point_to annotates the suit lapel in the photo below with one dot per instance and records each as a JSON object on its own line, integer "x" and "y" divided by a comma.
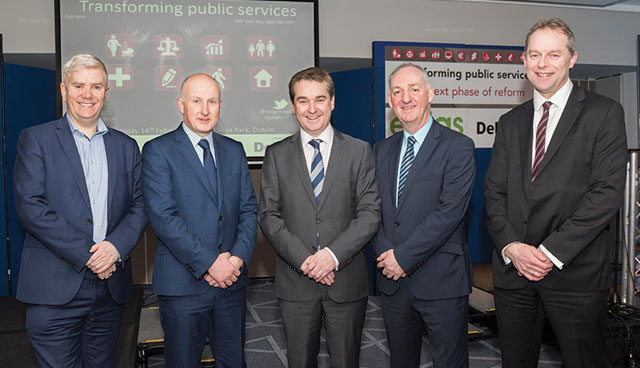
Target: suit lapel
{"x": 567, "y": 119}
{"x": 393, "y": 162}
{"x": 112, "y": 165}
{"x": 301, "y": 167}
{"x": 65, "y": 137}
{"x": 337, "y": 154}
{"x": 525, "y": 126}
{"x": 426, "y": 150}
{"x": 193, "y": 161}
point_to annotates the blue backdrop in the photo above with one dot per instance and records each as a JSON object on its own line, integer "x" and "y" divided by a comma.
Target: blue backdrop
{"x": 29, "y": 100}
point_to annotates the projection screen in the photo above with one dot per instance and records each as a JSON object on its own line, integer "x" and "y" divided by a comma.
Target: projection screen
{"x": 251, "y": 47}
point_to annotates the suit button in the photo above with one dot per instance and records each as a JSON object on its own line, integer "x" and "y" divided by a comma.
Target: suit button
{"x": 90, "y": 221}
{"x": 396, "y": 223}
{"x": 219, "y": 246}
{"x": 220, "y": 218}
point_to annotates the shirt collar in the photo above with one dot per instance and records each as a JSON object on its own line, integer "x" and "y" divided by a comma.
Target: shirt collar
{"x": 421, "y": 134}
{"x": 195, "y": 138}
{"x": 326, "y": 135}
{"x": 559, "y": 98}
{"x": 102, "y": 127}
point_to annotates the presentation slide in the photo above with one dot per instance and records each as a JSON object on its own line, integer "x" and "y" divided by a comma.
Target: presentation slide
{"x": 252, "y": 48}
{"x": 473, "y": 86}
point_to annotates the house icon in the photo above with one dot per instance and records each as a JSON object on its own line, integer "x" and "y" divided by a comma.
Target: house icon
{"x": 263, "y": 79}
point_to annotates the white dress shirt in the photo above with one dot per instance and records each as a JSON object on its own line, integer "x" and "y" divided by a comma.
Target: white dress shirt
{"x": 325, "y": 150}
{"x": 558, "y": 103}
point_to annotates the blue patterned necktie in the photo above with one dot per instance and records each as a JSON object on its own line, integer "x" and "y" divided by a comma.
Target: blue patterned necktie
{"x": 317, "y": 169}
{"x": 209, "y": 166}
{"x": 407, "y": 160}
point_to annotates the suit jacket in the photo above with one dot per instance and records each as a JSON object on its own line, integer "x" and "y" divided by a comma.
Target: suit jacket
{"x": 53, "y": 206}
{"x": 427, "y": 230}
{"x": 576, "y": 194}
{"x": 192, "y": 226}
{"x": 346, "y": 217}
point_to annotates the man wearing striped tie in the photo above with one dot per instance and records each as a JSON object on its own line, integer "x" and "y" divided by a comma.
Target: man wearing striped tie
{"x": 319, "y": 206}
{"x": 425, "y": 177}
{"x": 553, "y": 187}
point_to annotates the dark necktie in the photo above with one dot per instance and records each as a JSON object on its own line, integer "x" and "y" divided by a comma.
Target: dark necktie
{"x": 317, "y": 169}
{"x": 209, "y": 166}
{"x": 407, "y": 160}
{"x": 541, "y": 134}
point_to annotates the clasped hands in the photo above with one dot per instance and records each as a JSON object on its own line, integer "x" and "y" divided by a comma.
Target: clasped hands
{"x": 389, "y": 265}
{"x": 103, "y": 259}
{"x": 530, "y": 261}
{"x": 320, "y": 267}
{"x": 224, "y": 271}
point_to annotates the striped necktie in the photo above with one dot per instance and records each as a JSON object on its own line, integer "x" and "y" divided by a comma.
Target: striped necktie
{"x": 407, "y": 160}
{"x": 317, "y": 169}
{"x": 541, "y": 133}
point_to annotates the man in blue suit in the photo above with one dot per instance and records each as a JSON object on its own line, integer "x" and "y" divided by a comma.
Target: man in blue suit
{"x": 79, "y": 198}
{"x": 425, "y": 177}
{"x": 201, "y": 204}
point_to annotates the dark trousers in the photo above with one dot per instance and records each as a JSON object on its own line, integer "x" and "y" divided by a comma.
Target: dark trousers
{"x": 188, "y": 320}
{"x": 343, "y": 323}
{"x": 446, "y": 321}
{"x": 82, "y": 333}
{"x": 577, "y": 319}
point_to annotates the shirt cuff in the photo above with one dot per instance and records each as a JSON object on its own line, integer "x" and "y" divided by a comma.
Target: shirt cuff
{"x": 334, "y": 257}
{"x": 556, "y": 262}
{"x": 506, "y": 259}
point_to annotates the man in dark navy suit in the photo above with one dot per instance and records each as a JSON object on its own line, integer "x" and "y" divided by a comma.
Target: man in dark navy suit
{"x": 200, "y": 200}
{"x": 425, "y": 177}
{"x": 79, "y": 198}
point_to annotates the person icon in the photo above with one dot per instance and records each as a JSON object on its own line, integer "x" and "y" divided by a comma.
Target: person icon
{"x": 113, "y": 45}
{"x": 252, "y": 49}
{"x": 270, "y": 48}
{"x": 219, "y": 77}
{"x": 260, "y": 46}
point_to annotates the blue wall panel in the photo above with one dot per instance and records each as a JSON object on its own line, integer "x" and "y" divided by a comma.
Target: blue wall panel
{"x": 4, "y": 277}
{"x": 353, "y": 112}
{"x": 30, "y": 99}
{"x": 479, "y": 240}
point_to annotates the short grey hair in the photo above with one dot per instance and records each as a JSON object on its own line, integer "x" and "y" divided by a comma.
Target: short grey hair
{"x": 409, "y": 65}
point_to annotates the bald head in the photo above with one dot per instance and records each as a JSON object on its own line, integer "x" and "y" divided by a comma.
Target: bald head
{"x": 198, "y": 76}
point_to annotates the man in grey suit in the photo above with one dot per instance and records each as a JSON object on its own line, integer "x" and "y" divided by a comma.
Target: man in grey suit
{"x": 319, "y": 205}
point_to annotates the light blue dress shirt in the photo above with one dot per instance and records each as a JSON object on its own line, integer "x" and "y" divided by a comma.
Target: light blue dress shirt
{"x": 420, "y": 135}
{"x": 96, "y": 174}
